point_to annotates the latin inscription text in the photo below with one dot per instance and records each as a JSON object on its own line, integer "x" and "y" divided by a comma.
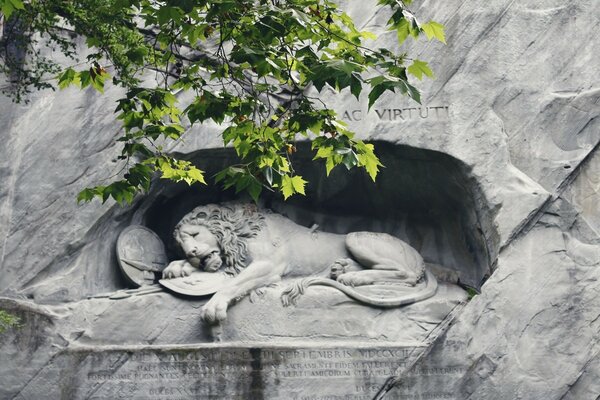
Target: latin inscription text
{"x": 399, "y": 114}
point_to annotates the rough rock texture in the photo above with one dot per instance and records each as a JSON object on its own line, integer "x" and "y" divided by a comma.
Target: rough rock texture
{"x": 58, "y": 342}
{"x": 533, "y": 330}
{"x": 583, "y": 191}
{"x": 162, "y": 318}
{"x": 41, "y": 225}
{"x": 516, "y": 103}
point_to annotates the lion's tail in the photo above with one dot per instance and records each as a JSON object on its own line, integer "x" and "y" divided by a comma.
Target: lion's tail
{"x": 291, "y": 294}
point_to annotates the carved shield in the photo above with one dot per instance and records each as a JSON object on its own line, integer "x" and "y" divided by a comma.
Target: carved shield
{"x": 141, "y": 255}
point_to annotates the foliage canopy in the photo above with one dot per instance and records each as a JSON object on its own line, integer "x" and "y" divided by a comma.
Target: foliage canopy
{"x": 249, "y": 65}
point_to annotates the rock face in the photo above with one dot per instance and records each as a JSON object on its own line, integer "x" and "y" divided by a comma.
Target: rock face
{"x": 493, "y": 179}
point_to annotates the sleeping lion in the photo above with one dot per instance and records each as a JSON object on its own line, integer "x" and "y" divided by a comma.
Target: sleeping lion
{"x": 260, "y": 248}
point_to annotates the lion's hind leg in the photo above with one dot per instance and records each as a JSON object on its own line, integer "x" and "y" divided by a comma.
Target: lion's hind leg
{"x": 372, "y": 276}
{"x": 388, "y": 258}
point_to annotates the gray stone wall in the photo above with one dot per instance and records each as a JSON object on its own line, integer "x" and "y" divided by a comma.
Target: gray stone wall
{"x": 515, "y": 101}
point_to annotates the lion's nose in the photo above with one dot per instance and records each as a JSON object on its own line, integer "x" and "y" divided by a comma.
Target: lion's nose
{"x": 197, "y": 251}
{"x": 190, "y": 251}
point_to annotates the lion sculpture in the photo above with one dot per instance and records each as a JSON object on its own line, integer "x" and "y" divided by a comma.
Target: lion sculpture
{"x": 260, "y": 248}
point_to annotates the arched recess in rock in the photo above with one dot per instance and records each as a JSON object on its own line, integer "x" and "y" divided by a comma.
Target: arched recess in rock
{"x": 427, "y": 198}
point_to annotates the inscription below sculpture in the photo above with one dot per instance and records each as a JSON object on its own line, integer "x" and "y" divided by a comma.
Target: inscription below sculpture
{"x": 234, "y": 250}
{"x": 246, "y": 373}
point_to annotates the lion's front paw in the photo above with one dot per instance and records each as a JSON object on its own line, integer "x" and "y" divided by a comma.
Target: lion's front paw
{"x": 339, "y": 267}
{"x": 178, "y": 269}
{"x": 215, "y": 310}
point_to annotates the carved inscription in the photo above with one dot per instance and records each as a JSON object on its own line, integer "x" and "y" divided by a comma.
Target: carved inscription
{"x": 401, "y": 114}
{"x": 244, "y": 373}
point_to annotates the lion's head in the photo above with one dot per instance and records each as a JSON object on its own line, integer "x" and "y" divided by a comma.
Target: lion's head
{"x": 231, "y": 225}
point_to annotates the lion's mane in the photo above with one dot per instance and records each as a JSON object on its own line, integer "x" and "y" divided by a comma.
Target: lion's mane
{"x": 232, "y": 225}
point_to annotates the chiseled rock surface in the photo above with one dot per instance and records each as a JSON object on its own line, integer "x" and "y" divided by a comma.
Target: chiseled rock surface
{"x": 324, "y": 313}
{"x": 27, "y": 350}
{"x": 528, "y": 65}
{"x": 516, "y": 99}
{"x": 533, "y": 332}
{"x": 584, "y": 191}
{"x": 327, "y": 314}
{"x": 46, "y": 349}
{"x": 52, "y": 148}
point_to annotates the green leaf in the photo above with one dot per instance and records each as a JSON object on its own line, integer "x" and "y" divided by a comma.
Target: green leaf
{"x": 368, "y": 160}
{"x": 419, "y": 68}
{"x": 167, "y": 14}
{"x": 221, "y": 175}
{"x": 298, "y": 184}
{"x": 287, "y": 187}
{"x": 291, "y": 185}
{"x": 324, "y": 152}
{"x": 86, "y": 195}
{"x": 413, "y": 93}
{"x": 433, "y": 29}
{"x": 269, "y": 175}
{"x": 368, "y": 35}
{"x": 137, "y": 55}
{"x": 375, "y": 93}
{"x": 284, "y": 166}
{"x": 179, "y": 170}
{"x": 403, "y": 30}
{"x": 243, "y": 181}
{"x": 68, "y": 77}
{"x": 316, "y": 127}
{"x": 329, "y": 165}
{"x": 18, "y": 4}
{"x": 85, "y": 79}
{"x": 254, "y": 190}
{"x": 196, "y": 175}
{"x": 355, "y": 86}
{"x": 98, "y": 82}
{"x": 7, "y": 7}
